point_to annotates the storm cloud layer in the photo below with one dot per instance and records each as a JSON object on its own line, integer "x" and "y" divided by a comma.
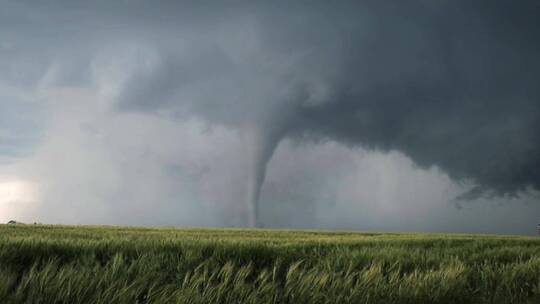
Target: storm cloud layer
{"x": 451, "y": 85}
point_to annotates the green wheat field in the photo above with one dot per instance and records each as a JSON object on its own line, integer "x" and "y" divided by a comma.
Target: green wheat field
{"x": 96, "y": 264}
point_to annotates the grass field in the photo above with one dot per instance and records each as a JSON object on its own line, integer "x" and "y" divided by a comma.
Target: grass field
{"x": 63, "y": 264}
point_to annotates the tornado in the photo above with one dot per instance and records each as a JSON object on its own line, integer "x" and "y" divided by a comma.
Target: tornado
{"x": 263, "y": 141}
{"x": 263, "y": 137}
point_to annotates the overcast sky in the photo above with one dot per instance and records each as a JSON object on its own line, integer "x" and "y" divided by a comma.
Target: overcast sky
{"x": 363, "y": 115}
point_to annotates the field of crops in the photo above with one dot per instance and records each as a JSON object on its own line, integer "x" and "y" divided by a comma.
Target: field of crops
{"x": 63, "y": 264}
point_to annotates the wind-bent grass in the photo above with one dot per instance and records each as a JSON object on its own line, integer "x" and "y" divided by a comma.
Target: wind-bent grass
{"x": 62, "y": 264}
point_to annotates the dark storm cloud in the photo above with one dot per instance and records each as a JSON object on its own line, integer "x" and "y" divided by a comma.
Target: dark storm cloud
{"x": 451, "y": 84}
{"x": 454, "y": 87}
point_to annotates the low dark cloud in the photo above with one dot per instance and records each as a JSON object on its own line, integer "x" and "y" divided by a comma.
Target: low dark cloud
{"x": 452, "y": 85}
{"x": 453, "y": 88}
